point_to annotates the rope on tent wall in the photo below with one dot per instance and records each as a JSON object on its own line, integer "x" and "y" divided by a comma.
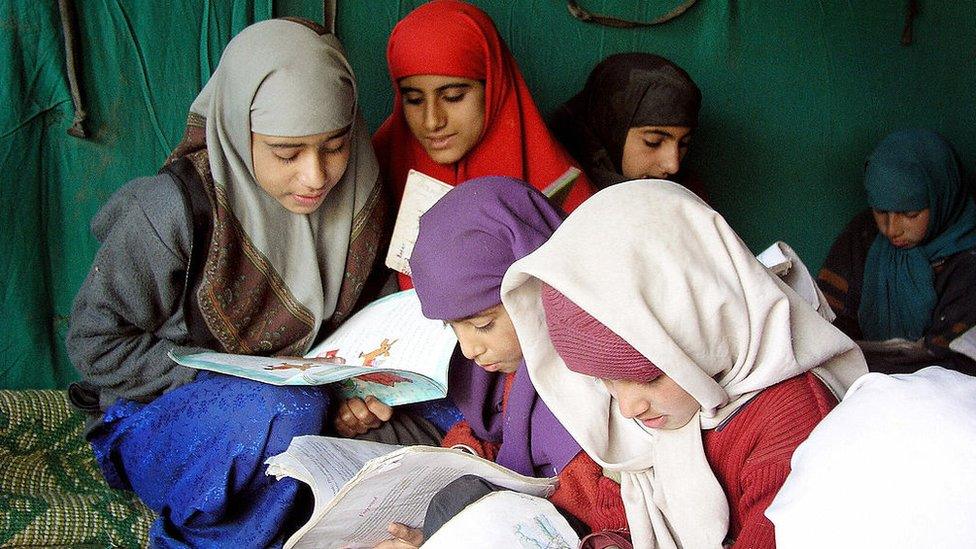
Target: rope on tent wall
{"x": 911, "y": 11}
{"x": 329, "y": 15}
{"x": 582, "y": 14}
{"x": 66, "y": 8}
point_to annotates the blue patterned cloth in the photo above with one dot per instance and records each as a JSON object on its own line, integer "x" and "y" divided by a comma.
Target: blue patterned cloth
{"x": 441, "y": 412}
{"x": 196, "y": 456}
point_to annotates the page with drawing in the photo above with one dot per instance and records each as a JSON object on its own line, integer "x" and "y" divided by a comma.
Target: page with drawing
{"x": 388, "y": 350}
{"x": 506, "y": 519}
{"x": 396, "y": 486}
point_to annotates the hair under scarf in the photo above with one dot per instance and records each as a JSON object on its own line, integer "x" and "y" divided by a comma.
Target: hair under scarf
{"x": 452, "y": 38}
{"x": 467, "y": 241}
{"x": 658, "y": 267}
{"x": 282, "y": 78}
{"x": 909, "y": 171}
{"x": 626, "y": 90}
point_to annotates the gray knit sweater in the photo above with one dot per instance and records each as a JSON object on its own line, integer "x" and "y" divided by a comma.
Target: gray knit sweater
{"x": 129, "y": 312}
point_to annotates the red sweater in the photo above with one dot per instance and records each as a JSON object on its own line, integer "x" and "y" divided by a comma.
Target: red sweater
{"x": 583, "y": 490}
{"x": 750, "y": 455}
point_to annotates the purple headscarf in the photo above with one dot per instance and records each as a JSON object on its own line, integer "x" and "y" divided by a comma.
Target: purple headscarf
{"x": 467, "y": 241}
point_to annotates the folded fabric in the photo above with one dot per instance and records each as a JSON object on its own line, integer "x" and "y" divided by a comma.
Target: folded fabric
{"x": 891, "y": 466}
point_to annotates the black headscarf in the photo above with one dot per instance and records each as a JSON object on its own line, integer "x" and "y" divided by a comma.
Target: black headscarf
{"x": 624, "y": 91}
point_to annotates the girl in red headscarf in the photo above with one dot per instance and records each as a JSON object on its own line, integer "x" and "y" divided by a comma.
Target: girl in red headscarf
{"x": 462, "y": 109}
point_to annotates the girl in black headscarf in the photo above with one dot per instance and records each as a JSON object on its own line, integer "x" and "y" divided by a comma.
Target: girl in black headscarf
{"x": 632, "y": 120}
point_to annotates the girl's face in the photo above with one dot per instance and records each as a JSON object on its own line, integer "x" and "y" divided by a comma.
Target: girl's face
{"x": 489, "y": 339}
{"x": 445, "y": 113}
{"x": 299, "y": 172}
{"x": 658, "y": 404}
{"x": 904, "y": 229}
{"x": 654, "y": 152}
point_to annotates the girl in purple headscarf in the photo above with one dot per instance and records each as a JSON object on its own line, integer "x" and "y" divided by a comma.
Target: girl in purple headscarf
{"x": 466, "y": 243}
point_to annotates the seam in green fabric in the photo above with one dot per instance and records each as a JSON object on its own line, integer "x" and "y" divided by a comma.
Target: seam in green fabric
{"x": 144, "y": 83}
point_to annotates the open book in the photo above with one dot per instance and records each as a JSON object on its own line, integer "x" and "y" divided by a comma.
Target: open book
{"x": 782, "y": 261}
{"x": 423, "y": 191}
{"x": 894, "y": 351}
{"x": 388, "y": 350}
{"x": 361, "y": 486}
{"x": 506, "y": 519}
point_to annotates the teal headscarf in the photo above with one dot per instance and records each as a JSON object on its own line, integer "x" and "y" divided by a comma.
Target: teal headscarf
{"x": 912, "y": 170}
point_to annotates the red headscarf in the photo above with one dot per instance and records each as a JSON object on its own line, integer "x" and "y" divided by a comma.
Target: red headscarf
{"x": 452, "y": 38}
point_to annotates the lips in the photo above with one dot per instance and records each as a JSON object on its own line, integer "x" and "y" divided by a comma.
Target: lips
{"x": 439, "y": 142}
{"x": 493, "y": 367}
{"x": 308, "y": 199}
{"x": 655, "y": 422}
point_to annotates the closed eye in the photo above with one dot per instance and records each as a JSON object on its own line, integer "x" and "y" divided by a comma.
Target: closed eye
{"x": 413, "y": 99}
{"x": 334, "y": 150}
{"x": 485, "y": 327}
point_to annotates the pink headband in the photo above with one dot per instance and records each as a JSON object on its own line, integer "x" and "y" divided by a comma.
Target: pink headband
{"x": 587, "y": 346}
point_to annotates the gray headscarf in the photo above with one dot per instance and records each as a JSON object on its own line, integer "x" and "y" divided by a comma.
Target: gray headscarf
{"x": 281, "y": 78}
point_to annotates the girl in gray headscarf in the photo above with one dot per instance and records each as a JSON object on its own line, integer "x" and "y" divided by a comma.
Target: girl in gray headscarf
{"x": 256, "y": 237}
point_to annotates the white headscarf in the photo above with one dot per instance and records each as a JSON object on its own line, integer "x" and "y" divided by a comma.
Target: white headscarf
{"x": 656, "y": 265}
{"x": 281, "y": 78}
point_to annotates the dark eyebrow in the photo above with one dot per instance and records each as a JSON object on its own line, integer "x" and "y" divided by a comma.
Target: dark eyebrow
{"x": 341, "y": 133}
{"x": 460, "y": 86}
{"x": 659, "y": 132}
{"x": 285, "y": 145}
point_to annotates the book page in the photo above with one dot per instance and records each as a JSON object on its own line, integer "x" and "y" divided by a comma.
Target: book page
{"x": 965, "y": 343}
{"x": 506, "y": 519}
{"x": 273, "y": 370}
{"x": 894, "y": 351}
{"x": 325, "y": 463}
{"x": 558, "y": 190}
{"x": 398, "y": 487}
{"x": 419, "y": 194}
{"x": 390, "y": 334}
{"x": 774, "y": 259}
{"x": 388, "y": 350}
{"x": 785, "y": 263}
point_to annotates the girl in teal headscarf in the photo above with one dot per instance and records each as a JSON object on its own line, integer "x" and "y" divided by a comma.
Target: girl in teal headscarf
{"x": 917, "y": 278}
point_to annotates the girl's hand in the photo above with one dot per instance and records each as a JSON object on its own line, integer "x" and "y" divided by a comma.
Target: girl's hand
{"x": 404, "y": 537}
{"x": 356, "y": 416}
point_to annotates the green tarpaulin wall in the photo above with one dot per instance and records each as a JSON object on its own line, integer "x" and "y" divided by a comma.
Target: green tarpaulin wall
{"x": 796, "y": 94}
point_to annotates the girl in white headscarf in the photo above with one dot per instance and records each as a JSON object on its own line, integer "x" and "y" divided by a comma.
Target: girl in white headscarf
{"x": 256, "y": 237}
{"x": 676, "y": 360}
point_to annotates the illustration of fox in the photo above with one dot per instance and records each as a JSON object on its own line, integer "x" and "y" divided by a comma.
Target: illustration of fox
{"x": 382, "y": 350}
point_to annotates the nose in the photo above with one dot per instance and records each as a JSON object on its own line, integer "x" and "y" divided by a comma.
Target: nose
{"x": 471, "y": 347}
{"x": 315, "y": 172}
{"x": 671, "y": 162}
{"x": 434, "y": 118}
{"x": 889, "y": 226}
{"x": 630, "y": 403}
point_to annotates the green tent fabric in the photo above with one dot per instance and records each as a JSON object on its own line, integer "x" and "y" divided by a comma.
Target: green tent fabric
{"x": 795, "y": 96}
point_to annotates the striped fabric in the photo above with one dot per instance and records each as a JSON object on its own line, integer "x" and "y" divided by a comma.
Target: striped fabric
{"x": 51, "y": 490}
